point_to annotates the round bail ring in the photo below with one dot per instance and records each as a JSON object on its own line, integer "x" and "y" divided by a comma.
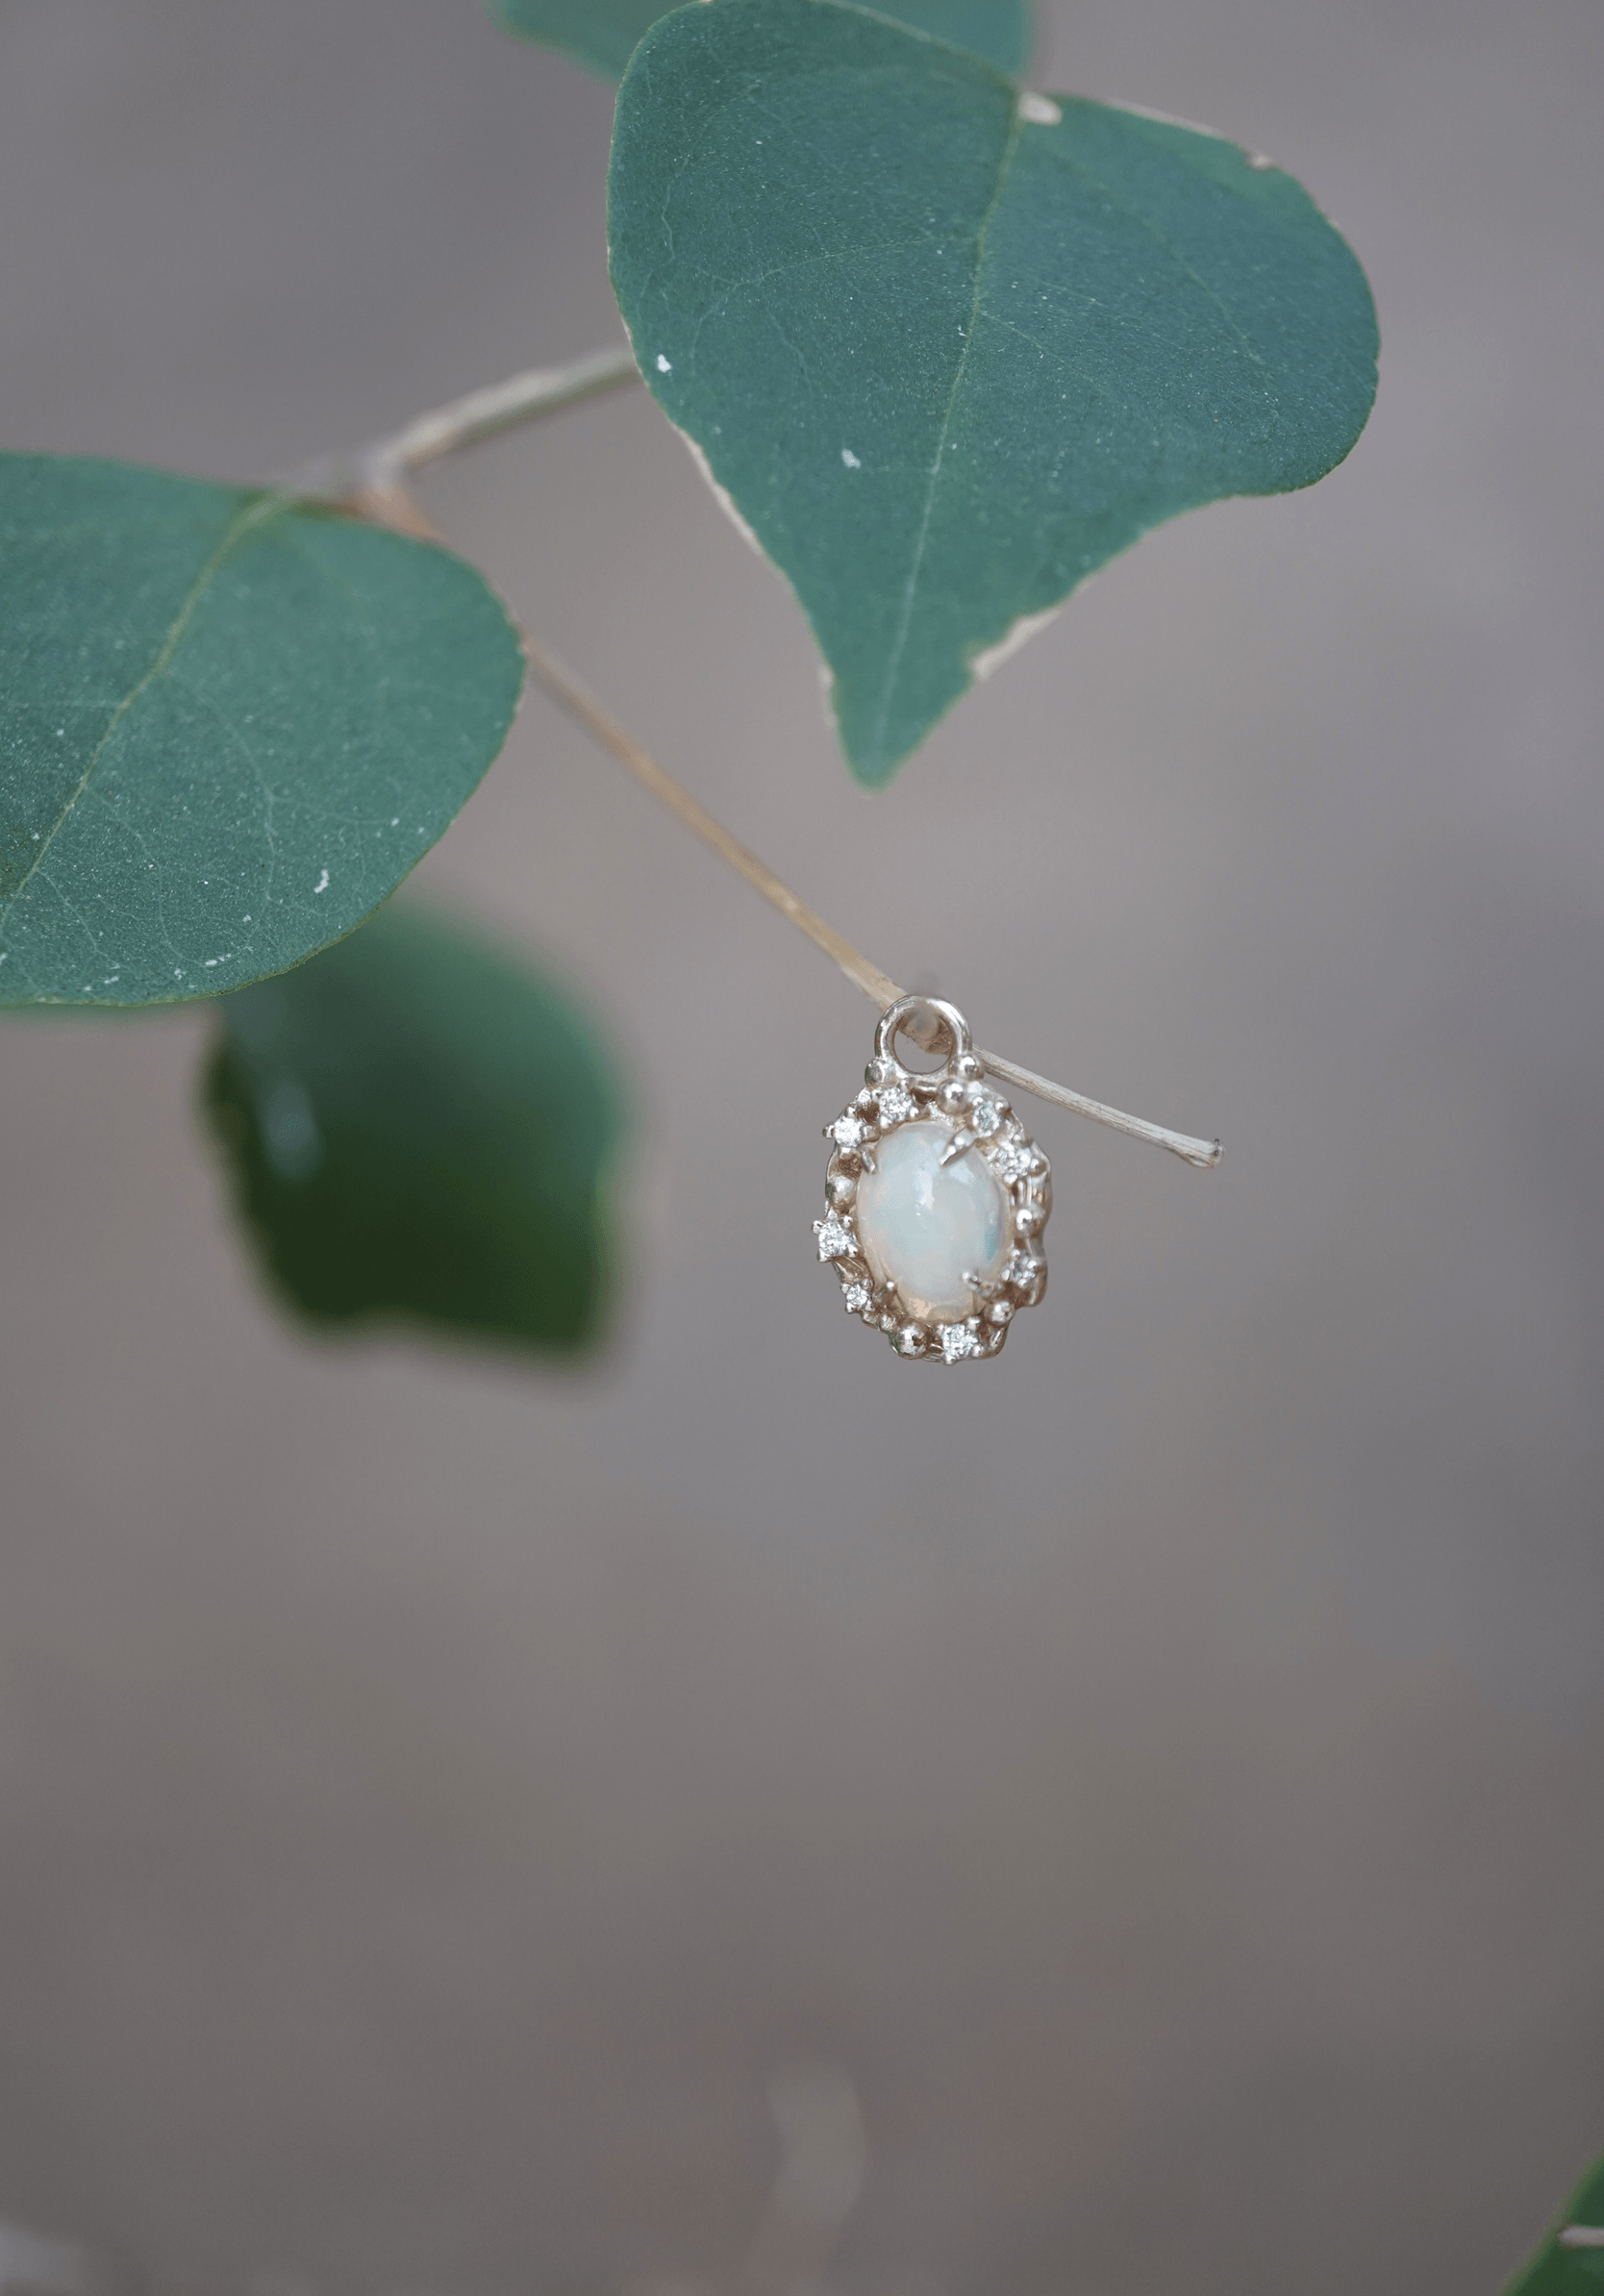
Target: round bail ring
{"x": 895, "y": 1018}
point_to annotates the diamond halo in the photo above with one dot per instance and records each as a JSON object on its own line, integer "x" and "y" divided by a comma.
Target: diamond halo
{"x": 978, "y": 1123}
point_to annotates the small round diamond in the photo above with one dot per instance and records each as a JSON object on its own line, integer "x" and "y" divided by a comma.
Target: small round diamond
{"x": 1012, "y": 1159}
{"x": 856, "y": 1297}
{"x": 836, "y": 1240}
{"x": 959, "y": 1342}
{"x": 985, "y": 1118}
{"x": 896, "y": 1104}
{"x": 847, "y": 1130}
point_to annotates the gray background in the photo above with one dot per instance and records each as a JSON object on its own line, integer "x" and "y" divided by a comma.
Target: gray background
{"x": 1164, "y": 1769}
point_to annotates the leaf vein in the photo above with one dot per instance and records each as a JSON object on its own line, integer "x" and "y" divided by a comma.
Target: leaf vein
{"x": 905, "y": 619}
{"x": 264, "y": 505}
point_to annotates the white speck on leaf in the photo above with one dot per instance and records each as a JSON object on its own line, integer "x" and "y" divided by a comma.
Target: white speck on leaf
{"x": 664, "y": 367}
{"x": 322, "y": 885}
{"x": 1040, "y": 110}
{"x": 850, "y": 458}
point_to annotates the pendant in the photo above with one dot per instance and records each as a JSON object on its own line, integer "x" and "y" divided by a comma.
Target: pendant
{"x": 936, "y": 1197}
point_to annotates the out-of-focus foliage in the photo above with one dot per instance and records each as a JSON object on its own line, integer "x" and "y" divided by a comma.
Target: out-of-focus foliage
{"x": 420, "y": 1128}
{"x": 1560, "y": 2267}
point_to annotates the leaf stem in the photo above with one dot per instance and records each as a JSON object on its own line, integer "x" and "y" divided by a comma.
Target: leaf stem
{"x": 570, "y": 696}
{"x": 388, "y": 502}
{"x": 463, "y": 422}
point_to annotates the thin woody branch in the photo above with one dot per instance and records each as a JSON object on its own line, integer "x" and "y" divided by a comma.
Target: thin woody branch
{"x": 479, "y": 414}
{"x": 382, "y": 495}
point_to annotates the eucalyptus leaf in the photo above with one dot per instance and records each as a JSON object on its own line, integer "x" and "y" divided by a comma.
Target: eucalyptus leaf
{"x": 419, "y": 1129}
{"x": 946, "y": 350}
{"x": 1559, "y": 2269}
{"x": 229, "y": 725}
{"x": 603, "y": 34}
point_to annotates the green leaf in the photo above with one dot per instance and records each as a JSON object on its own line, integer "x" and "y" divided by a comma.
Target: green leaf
{"x": 1559, "y": 2269}
{"x": 599, "y": 33}
{"x": 948, "y": 350}
{"x": 229, "y": 725}
{"x": 603, "y": 34}
{"x": 420, "y": 1128}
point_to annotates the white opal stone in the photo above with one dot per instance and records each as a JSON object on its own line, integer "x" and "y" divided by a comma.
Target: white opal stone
{"x": 924, "y": 1227}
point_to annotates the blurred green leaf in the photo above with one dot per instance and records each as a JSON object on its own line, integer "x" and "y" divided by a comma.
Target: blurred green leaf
{"x": 1558, "y": 2268}
{"x": 948, "y": 350}
{"x": 603, "y": 34}
{"x": 419, "y": 1128}
{"x": 229, "y": 725}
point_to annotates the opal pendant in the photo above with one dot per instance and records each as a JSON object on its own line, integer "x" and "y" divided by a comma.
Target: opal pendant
{"x": 938, "y": 1199}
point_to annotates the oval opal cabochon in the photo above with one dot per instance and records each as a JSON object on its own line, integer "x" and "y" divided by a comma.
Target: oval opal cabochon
{"x": 924, "y": 1226}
